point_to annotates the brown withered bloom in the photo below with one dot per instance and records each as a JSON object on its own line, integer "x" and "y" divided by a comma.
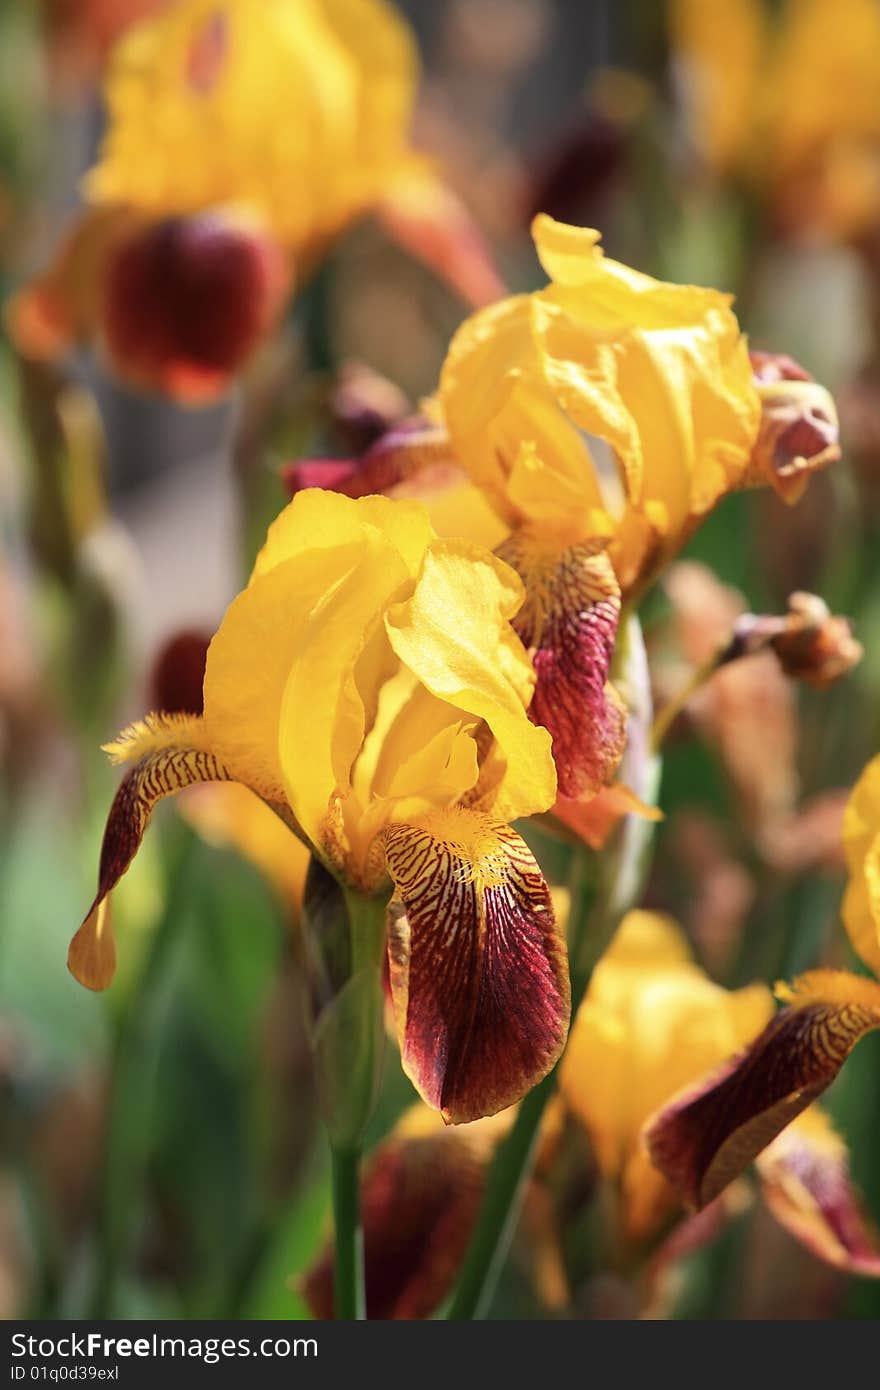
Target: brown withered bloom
{"x": 799, "y": 428}
{"x": 809, "y": 642}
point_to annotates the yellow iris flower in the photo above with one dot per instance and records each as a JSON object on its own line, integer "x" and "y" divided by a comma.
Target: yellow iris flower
{"x": 367, "y": 685}
{"x": 243, "y": 137}
{"x": 762, "y": 94}
{"x": 707, "y": 1136}
{"x": 652, "y": 1023}
{"x": 603, "y": 417}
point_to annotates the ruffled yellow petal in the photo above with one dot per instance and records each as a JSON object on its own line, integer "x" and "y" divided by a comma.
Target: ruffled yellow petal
{"x": 454, "y": 635}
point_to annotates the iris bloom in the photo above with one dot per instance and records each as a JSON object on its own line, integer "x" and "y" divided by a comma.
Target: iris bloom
{"x": 762, "y": 96}
{"x": 367, "y": 685}
{"x": 653, "y": 1022}
{"x": 603, "y": 417}
{"x": 704, "y": 1138}
{"x": 242, "y": 139}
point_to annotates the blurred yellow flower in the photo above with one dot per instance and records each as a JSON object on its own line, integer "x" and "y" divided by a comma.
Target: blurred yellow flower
{"x": 651, "y": 1023}
{"x": 788, "y": 102}
{"x": 705, "y": 1138}
{"x": 367, "y": 685}
{"x": 243, "y": 137}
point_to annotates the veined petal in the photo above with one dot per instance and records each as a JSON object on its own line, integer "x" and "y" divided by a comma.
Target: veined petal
{"x": 168, "y": 753}
{"x": 568, "y": 623}
{"x": 479, "y": 977}
{"x": 710, "y": 1133}
{"x": 442, "y": 634}
{"x": 806, "y": 1183}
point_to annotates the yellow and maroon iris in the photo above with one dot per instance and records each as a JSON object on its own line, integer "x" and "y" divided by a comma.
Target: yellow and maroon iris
{"x": 242, "y": 139}
{"x": 653, "y": 1022}
{"x": 708, "y": 1135}
{"x": 600, "y": 419}
{"x": 369, "y": 687}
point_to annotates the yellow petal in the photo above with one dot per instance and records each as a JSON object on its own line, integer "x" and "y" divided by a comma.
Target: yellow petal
{"x": 454, "y": 635}
{"x": 861, "y": 841}
{"x": 299, "y": 112}
{"x": 651, "y": 1023}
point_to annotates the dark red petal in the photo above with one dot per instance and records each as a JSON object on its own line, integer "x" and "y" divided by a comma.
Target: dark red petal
{"x": 709, "y": 1134}
{"x": 569, "y": 623}
{"x": 186, "y": 300}
{"x": 179, "y": 673}
{"x": 479, "y": 975}
{"x": 410, "y": 448}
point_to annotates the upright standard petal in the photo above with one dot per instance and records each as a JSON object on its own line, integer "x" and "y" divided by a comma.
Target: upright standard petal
{"x": 168, "y": 753}
{"x": 568, "y": 623}
{"x": 454, "y": 635}
{"x": 710, "y": 1133}
{"x": 479, "y": 975}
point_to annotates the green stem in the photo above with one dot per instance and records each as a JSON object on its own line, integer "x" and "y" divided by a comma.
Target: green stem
{"x": 500, "y": 1210}
{"x": 349, "y": 1296}
{"x": 128, "y": 1117}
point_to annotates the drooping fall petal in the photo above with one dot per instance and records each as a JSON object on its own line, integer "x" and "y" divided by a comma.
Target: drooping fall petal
{"x": 710, "y": 1133}
{"x": 168, "y": 753}
{"x": 479, "y": 979}
{"x": 568, "y": 622}
{"x": 184, "y": 301}
{"x": 807, "y": 1185}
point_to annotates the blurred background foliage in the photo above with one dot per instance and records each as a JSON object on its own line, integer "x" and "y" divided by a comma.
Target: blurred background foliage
{"x": 126, "y": 520}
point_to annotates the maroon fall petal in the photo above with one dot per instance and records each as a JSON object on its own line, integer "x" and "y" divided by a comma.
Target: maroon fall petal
{"x": 186, "y": 300}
